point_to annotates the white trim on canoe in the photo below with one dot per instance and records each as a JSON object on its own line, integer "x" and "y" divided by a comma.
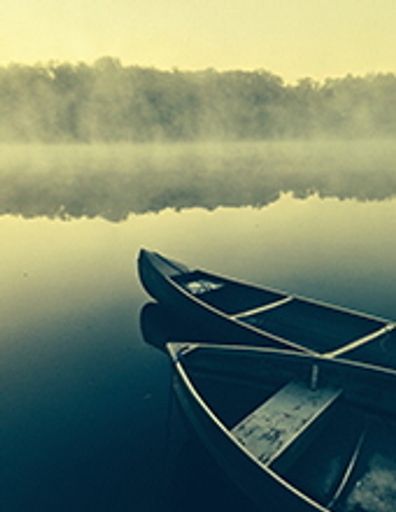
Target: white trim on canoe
{"x": 208, "y": 411}
{"x": 360, "y": 341}
{"x": 349, "y": 469}
{"x": 303, "y": 298}
{"x": 182, "y": 349}
{"x": 271, "y": 350}
{"x": 263, "y": 308}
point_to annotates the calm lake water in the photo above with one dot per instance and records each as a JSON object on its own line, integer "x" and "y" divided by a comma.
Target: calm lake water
{"x": 88, "y": 418}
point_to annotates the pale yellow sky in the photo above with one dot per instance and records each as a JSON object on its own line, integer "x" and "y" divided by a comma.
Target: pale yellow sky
{"x": 292, "y": 38}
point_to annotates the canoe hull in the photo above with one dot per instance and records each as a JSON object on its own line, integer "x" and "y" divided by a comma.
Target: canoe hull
{"x": 230, "y": 311}
{"x": 340, "y": 383}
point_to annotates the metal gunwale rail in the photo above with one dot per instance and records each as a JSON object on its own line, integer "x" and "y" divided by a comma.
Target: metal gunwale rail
{"x": 303, "y": 298}
{"x": 347, "y": 473}
{"x": 250, "y": 348}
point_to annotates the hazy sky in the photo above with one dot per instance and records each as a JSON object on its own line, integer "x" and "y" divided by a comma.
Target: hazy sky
{"x": 292, "y": 38}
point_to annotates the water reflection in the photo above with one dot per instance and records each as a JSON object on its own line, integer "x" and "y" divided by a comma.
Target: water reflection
{"x": 85, "y": 398}
{"x": 159, "y": 326}
{"x": 191, "y": 471}
{"x": 62, "y": 182}
{"x": 197, "y": 483}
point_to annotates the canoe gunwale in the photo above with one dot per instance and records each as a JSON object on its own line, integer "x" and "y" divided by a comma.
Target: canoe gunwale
{"x": 343, "y": 484}
{"x": 313, "y": 357}
{"x": 303, "y": 298}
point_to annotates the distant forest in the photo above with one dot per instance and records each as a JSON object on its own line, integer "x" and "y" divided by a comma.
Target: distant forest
{"x": 109, "y": 102}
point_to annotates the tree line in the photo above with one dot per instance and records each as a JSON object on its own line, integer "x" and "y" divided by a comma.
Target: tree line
{"x": 109, "y": 102}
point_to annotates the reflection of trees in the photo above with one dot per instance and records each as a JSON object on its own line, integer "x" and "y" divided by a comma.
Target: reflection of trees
{"x": 114, "y": 181}
{"x": 62, "y": 102}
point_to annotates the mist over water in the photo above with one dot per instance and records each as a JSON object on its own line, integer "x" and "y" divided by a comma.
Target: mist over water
{"x": 113, "y": 181}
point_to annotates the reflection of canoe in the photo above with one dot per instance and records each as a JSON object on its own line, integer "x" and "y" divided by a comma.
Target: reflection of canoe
{"x": 295, "y": 432}
{"x": 158, "y": 325}
{"x": 226, "y": 309}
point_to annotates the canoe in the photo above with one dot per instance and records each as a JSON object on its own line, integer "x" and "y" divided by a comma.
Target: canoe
{"x": 295, "y": 432}
{"x": 232, "y": 311}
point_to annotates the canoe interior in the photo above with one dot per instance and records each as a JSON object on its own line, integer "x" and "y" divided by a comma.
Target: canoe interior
{"x": 320, "y": 469}
{"x": 315, "y": 326}
{"x": 228, "y": 296}
{"x": 344, "y": 458}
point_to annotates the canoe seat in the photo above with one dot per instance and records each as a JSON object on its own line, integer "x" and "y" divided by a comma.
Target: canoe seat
{"x": 272, "y": 432}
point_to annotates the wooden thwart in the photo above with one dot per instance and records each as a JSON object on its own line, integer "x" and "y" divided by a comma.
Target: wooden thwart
{"x": 361, "y": 341}
{"x": 269, "y": 430}
{"x": 263, "y": 308}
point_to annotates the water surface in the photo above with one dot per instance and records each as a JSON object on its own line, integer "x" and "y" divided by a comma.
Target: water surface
{"x": 89, "y": 422}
